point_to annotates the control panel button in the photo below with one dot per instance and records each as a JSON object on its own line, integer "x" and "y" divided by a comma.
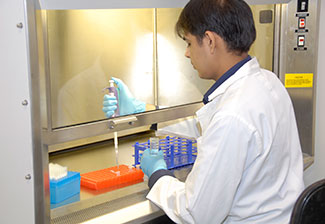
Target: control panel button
{"x": 302, "y": 6}
{"x": 302, "y": 22}
{"x": 301, "y": 41}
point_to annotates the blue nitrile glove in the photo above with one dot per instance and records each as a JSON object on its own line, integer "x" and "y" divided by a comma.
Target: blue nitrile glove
{"x": 127, "y": 103}
{"x": 151, "y": 163}
{"x": 109, "y": 105}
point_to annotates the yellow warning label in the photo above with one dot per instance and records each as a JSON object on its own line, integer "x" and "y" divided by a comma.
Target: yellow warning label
{"x": 299, "y": 80}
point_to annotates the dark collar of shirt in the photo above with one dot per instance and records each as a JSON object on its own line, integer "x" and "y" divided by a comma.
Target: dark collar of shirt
{"x": 224, "y": 77}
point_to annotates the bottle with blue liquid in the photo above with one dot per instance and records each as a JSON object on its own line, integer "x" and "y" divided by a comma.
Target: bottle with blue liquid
{"x": 113, "y": 92}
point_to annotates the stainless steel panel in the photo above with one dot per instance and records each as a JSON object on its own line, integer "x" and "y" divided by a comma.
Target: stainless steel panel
{"x": 276, "y": 41}
{"x": 263, "y": 2}
{"x": 39, "y": 153}
{"x": 300, "y": 61}
{"x": 43, "y": 62}
{"x": 111, "y": 4}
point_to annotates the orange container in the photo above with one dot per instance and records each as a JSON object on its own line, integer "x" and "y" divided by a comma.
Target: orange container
{"x": 110, "y": 177}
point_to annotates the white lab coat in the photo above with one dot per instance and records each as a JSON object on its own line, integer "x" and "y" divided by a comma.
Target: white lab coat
{"x": 249, "y": 167}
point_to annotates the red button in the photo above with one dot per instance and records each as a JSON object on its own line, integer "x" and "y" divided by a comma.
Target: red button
{"x": 301, "y": 41}
{"x": 301, "y": 23}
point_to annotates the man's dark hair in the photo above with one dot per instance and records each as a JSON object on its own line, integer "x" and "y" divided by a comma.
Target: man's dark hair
{"x": 232, "y": 20}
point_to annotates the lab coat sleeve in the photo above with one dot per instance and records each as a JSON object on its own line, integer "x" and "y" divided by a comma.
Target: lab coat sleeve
{"x": 157, "y": 175}
{"x": 210, "y": 188}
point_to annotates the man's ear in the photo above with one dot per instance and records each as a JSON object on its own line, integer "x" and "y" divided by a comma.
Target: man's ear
{"x": 213, "y": 40}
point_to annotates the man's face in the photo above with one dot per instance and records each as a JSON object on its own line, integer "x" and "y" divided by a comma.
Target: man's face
{"x": 199, "y": 53}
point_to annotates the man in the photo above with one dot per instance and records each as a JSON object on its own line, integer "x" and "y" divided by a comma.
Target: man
{"x": 249, "y": 166}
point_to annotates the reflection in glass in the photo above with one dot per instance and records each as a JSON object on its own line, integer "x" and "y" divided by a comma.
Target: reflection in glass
{"x": 87, "y": 48}
{"x": 139, "y": 46}
{"x": 178, "y": 82}
{"x": 176, "y": 76}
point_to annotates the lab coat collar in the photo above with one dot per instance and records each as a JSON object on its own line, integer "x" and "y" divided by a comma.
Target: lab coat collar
{"x": 207, "y": 111}
{"x": 224, "y": 77}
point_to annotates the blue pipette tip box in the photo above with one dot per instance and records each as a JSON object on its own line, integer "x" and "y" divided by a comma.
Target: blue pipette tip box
{"x": 65, "y": 187}
{"x": 69, "y": 200}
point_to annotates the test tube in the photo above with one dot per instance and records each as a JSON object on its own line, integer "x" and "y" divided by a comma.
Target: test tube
{"x": 154, "y": 145}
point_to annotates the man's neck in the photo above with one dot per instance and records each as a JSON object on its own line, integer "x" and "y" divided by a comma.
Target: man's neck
{"x": 228, "y": 61}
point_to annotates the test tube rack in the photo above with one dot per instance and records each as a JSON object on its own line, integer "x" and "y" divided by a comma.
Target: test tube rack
{"x": 177, "y": 151}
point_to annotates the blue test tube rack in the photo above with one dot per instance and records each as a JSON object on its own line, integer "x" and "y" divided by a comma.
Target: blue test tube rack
{"x": 177, "y": 151}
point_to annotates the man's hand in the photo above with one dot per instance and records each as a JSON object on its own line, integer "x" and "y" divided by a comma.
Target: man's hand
{"x": 151, "y": 163}
{"x": 109, "y": 105}
{"x": 127, "y": 103}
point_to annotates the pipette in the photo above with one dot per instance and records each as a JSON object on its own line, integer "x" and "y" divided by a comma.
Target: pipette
{"x": 116, "y": 148}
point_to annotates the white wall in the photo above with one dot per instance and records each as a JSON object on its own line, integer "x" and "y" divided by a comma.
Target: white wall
{"x": 317, "y": 170}
{"x": 16, "y": 162}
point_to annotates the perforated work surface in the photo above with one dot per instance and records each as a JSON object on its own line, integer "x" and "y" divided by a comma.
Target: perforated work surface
{"x": 83, "y": 215}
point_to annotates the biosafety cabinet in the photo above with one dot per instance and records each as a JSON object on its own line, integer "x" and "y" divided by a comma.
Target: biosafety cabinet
{"x": 58, "y": 56}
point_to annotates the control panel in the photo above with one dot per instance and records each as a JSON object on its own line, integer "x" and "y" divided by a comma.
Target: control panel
{"x": 302, "y": 14}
